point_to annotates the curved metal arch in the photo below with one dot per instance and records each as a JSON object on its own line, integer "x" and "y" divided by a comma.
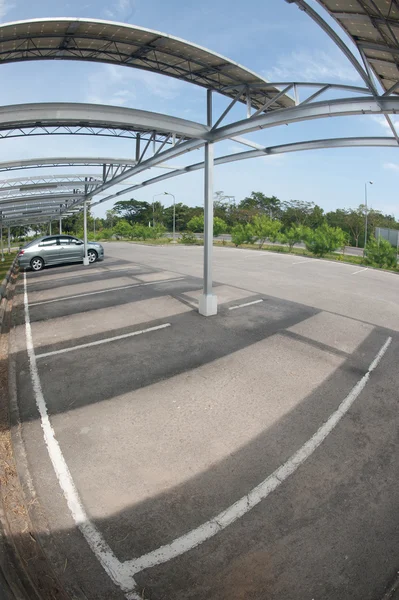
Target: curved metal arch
{"x": 304, "y": 112}
{"x": 64, "y": 161}
{"x": 123, "y": 44}
{"x": 389, "y": 142}
{"x": 58, "y": 114}
{"x": 47, "y": 181}
{"x": 302, "y": 5}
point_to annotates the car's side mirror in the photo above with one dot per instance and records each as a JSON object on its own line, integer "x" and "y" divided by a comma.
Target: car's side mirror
{"x": 78, "y": 242}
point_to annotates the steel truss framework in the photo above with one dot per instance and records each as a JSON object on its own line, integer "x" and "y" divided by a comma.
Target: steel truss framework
{"x": 159, "y": 138}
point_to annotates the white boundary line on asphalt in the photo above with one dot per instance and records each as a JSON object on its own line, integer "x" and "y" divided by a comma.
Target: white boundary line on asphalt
{"x": 122, "y": 573}
{"x": 104, "y": 341}
{"x": 97, "y": 543}
{"x": 307, "y": 260}
{"x": 245, "y": 304}
{"x": 360, "y": 270}
{"x": 115, "y": 289}
{"x": 197, "y": 536}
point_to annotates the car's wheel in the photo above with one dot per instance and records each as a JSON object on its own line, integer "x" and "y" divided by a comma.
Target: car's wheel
{"x": 37, "y": 263}
{"x": 92, "y": 256}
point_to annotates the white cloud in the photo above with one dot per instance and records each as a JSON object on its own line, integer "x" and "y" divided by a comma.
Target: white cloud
{"x": 312, "y": 66}
{"x": 121, "y": 9}
{"x": 5, "y": 7}
{"x": 381, "y": 120}
{"x": 391, "y": 166}
{"x": 121, "y": 86}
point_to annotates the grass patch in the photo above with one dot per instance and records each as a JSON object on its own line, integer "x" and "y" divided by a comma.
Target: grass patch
{"x": 4, "y": 266}
{"x": 156, "y": 242}
{"x": 344, "y": 258}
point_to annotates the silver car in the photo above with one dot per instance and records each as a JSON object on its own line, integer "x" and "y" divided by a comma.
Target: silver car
{"x": 57, "y": 249}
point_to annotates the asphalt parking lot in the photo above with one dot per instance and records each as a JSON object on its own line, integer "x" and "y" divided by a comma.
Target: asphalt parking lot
{"x": 250, "y": 455}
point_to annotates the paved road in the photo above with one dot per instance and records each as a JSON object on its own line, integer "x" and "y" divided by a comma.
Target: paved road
{"x": 165, "y": 419}
{"x": 226, "y": 236}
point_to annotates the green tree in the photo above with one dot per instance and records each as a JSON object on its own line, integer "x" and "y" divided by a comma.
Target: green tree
{"x": 296, "y": 212}
{"x": 123, "y": 229}
{"x": 265, "y": 228}
{"x": 219, "y": 226}
{"x": 380, "y": 253}
{"x": 196, "y": 224}
{"x": 356, "y": 220}
{"x": 325, "y": 239}
{"x": 260, "y": 204}
{"x": 292, "y": 236}
{"x": 183, "y": 215}
{"x": 242, "y": 234}
{"x": 134, "y": 211}
{"x": 158, "y": 213}
{"x": 316, "y": 218}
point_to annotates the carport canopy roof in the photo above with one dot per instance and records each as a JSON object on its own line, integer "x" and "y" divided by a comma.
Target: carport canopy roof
{"x": 122, "y": 44}
{"x": 373, "y": 26}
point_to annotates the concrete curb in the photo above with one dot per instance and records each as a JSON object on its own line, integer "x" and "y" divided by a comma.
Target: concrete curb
{"x": 4, "y": 290}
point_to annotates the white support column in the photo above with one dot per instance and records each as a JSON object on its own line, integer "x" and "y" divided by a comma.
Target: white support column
{"x": 60, "y": 224}
{"x": 9, "y": 240}
{"x": 50, "y": 228}
{"x": 208, "y": 301}
{"x": 85, "y": 257}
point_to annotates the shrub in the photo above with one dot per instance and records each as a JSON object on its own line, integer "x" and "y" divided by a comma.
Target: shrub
{"x": 325, "y": 239}
{"x": 242, "y": 234}
{"x": 196, "y": 224}
{"x": 105, "y": 234}
{"x": 188, "y": 238}
{"x": 123, "y": 229}
{"x": 219, "y": 226}
{"x": 264, "y": 228}
{"x": 380, "y": 253}
{"x": 292, "y": 236}
{"x": 156, "y": 232}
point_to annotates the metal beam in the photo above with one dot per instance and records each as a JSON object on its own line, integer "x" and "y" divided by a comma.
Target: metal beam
{"x": 315, "y": 110}
{"x": 208, "y": 301}
{"x": 64, "y": 161}
{"x": 302, "y": 5}
{"x": 361, "y": 142}
{"x": 93, "y": 115}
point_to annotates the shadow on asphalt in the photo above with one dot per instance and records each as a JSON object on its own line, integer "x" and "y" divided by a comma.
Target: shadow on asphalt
{"x": 329, "y": 532}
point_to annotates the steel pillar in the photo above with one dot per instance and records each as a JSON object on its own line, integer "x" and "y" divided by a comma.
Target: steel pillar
{"x": 50, "y": 228}
{"x": 60, "y": 225}
{"x": 85, "y": 257}
{"x": 208, "y": 301}
{"x": 9, "y": 241}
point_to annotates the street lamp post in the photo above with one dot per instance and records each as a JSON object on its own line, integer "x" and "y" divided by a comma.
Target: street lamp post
{"x": 366, "y": 223}
{"x": 174, "y": 214}
{"x": 153, "y": 205}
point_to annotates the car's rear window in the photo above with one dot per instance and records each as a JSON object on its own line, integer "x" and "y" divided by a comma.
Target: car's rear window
{"x": 29, "y": 244}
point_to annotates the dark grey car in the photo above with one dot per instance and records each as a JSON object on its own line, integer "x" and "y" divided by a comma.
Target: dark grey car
{"x": 57, "y": 249}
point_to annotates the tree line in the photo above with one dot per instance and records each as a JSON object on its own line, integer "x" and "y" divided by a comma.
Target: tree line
{"x": 229, "y": 215}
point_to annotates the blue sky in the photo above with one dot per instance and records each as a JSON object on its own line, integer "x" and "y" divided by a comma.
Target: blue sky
{"x": 272, "y": 38}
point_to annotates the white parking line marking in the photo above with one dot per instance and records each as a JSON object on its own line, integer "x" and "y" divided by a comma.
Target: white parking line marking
{"x": 307, "y": 260}
{"x": 360, "y": 270}
{"x": 115, "y": 289}
{"x": 104, "y": 341}
{"x": 245, "y": 304}
{"x": 122, "y": 573}
{"x": 99, "y": 546}
{"x": 207, "y": 530}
